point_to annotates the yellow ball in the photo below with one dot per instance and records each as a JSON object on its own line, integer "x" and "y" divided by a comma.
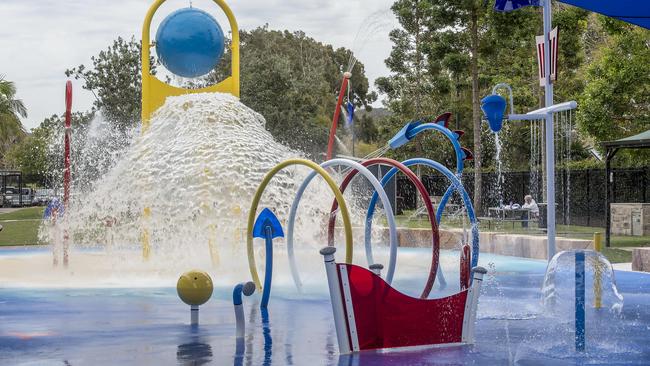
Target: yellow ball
{"x": 194, "y": 287}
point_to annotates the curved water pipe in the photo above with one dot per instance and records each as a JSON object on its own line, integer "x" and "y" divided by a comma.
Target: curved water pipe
{"x": 412, "y": 129}
{"x": 240, "y": 289}
{"x": 435, "y": 237}
{"x": 258, "y": 195}
{"x": 381, "y": 194}
{"x": 455, "y": 183}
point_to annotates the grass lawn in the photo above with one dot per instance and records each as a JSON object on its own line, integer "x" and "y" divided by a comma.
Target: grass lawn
{"x": 23, "y": 231}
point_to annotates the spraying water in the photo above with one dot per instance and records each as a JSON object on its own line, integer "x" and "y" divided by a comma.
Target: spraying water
{"x": 196, "y": 169}
{"x": 373, "y": 25}
{"x": 499, "y": 185}
{"x": 535, "y": 158}
{"x": 601, "y": 291}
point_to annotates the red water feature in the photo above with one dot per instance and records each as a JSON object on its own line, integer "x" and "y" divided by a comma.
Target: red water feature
{"x": 435, "y": 237}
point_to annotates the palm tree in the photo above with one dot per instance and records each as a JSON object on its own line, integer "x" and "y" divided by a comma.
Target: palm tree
{"x": 11, "y": 109}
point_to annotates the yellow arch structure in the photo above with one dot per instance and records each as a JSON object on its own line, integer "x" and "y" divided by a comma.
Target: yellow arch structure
{"x": 258, "y": 195}
{"x": 154, "y": 91}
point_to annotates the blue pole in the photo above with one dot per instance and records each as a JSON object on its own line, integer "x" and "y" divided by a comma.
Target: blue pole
{"x": 580, "y": 301}
{"x": 268, "y": 273}
{"x": 268, "y": 340}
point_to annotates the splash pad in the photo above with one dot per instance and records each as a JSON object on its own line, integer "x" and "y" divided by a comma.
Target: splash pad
{"x": 178, "y": 198}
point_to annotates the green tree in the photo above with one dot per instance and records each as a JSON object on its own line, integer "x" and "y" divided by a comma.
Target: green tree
{"x": 116, "y": 81}
{"x": 365, "y": 128}
{"x": 432, "y": 56}
{"x": 413, "y": 84}
{"x": 467, "y": 49}
{"x": 293, "y": 81}
{"x": 30, "y": 157}
{"x": 616, "y": 98}
{"x": 40, "y": 155}
{"x": 11, "y": 109}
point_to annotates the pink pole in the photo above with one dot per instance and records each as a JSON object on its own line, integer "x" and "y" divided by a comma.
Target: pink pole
{"x": 66, "y": 171}
{"x": 68, "y": 115}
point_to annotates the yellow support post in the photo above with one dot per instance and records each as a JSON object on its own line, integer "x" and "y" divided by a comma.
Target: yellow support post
{"x": 146, "y": 247}
{"x": 212, "y": 245}
{"x": 598, "y": 242}
{"x": 598, "y": 272}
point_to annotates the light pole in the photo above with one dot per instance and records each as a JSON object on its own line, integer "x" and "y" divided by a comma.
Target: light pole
{"x": 550, "y": 141}
{"x": 494, "y": 108}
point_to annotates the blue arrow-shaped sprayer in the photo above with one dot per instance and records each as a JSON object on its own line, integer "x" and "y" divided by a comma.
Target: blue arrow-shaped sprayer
{"x": 268, "y": 228}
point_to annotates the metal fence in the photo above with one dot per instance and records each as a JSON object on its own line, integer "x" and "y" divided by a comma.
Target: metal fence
{"x": 580, "y": 194}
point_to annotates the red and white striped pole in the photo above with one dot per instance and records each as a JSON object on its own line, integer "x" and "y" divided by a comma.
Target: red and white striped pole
{"x": 66, "y": 170}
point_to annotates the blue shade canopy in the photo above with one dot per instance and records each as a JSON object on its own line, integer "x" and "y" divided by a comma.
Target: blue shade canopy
{"x": 632, "y": 11}
{"x": 510, "y": 5}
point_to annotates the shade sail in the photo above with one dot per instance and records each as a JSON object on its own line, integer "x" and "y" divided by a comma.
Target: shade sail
{"x": 641, "y": 140}
{"x": 631, "y": 11}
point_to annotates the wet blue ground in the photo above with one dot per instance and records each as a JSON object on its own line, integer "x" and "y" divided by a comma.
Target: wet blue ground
{"x": 150, "y": 327}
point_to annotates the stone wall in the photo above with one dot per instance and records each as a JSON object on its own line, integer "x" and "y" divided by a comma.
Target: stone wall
{"x": 517, "y": 245}
{"x": 641, "y": 259}
{"x": 630, "y": 218}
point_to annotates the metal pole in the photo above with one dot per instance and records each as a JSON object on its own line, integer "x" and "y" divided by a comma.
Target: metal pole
{"x": 340, "y": 322}
{"x": 580, "y": 301}
{"x": 608, "y": 194}
{"x": 550, "y": 142}
{"x": 607, "y": 198}
{"x": 194, "y": 315}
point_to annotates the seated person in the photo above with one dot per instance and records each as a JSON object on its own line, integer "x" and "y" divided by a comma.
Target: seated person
{"x": 533, "y": 210}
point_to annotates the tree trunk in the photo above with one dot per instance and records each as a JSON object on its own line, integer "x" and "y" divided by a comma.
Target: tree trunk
{"x": 476, "y": 112}
{"x": 418, "y": 78}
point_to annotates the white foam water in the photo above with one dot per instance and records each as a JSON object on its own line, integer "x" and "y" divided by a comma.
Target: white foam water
{"x": 558, "y": 291}
{"x": 196, "y": 169}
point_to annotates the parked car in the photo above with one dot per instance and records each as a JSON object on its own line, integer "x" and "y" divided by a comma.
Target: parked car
{"x": 14, "y": 197}
{"x": 8, "y": 196}
{"x": 43, "y": 196}
{"x": 27, "y": 197}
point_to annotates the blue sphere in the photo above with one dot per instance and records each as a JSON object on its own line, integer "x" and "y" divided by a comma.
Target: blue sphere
{"x": 189, "y": 42}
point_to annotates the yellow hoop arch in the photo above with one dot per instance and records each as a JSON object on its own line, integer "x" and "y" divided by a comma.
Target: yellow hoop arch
{"x": 258, "y": 195}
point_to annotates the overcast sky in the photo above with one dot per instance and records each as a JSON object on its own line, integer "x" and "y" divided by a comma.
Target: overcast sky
{"x": 39, "y": 39}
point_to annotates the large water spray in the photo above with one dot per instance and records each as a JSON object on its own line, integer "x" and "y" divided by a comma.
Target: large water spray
{"x": 196, "y": 169}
